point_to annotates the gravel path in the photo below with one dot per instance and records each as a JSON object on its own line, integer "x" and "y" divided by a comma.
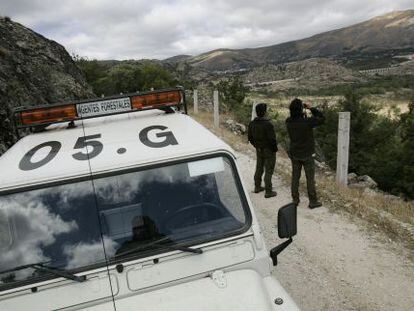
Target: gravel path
{"x": 334, "y": 263}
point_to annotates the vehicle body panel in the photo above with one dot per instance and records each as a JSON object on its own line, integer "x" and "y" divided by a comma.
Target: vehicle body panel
{"x": 61, "y": 294}
{"x": 243, "y": 290}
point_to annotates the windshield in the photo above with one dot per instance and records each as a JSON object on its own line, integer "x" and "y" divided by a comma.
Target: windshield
{"x": 78, "y": 225}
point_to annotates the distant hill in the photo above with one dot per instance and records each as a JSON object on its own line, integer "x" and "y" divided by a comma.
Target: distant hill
{"x": 177, "y": 58}
{"x": 383, "y": 37}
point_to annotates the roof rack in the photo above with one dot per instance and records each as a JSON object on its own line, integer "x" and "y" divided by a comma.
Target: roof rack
{"x": 42, "y": 116}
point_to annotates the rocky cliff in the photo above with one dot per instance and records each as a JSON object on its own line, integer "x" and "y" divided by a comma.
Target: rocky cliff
{"x": 33, "y": 71}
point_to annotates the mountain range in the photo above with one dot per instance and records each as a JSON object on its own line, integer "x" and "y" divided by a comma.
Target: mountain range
{"x": 382, "y": 37}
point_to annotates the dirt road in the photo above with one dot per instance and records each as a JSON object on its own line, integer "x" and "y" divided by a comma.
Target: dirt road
{"x": 335, "y": 262}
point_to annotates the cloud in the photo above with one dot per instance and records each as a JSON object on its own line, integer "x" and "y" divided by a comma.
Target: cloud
{"x": 128, "y": 29}
{"x": 38, "y": 227}
{"x": 124, "y": 188}
{"x": 84, "y": 254}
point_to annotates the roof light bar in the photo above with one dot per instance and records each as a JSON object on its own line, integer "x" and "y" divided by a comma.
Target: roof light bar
{"x": 45, "y": 115}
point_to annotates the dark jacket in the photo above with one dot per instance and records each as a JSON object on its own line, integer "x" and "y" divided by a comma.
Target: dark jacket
{"x": 262, "y": 134}
{"x": 300, "y": 130}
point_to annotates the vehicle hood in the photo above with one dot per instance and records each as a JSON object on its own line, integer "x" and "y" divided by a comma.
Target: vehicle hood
{"x": 238, "y": 290}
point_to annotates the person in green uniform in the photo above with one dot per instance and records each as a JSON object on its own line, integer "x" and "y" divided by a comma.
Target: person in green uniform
{"x": 262, "y": 136}
{"x": 302, "y": 147}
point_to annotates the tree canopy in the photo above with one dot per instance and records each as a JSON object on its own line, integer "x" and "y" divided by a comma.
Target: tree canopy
{"x": 124, "y": 77}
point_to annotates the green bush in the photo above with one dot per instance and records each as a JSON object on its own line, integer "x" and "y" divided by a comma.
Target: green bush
{"x": 380, "y": 147}
{"x": 243, "y": 112}
{"x": 232, "y": 93}
{"x": 279, "y": 123}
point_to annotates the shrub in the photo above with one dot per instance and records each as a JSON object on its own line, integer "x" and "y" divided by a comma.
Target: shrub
{"x": 380, "y": 147}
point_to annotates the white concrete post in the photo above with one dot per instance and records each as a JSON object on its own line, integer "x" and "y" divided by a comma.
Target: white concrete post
{"x": 254, "y": 115}
{"x": 216, "y": 109}
{"x": 343, "y": 148}
{"x": 195, "y": 97}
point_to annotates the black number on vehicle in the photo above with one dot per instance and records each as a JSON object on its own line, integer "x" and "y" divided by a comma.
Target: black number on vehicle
{"x": 85, "y": 141}
{"x": 26, "y": 163}
{"x": 169, "y": 138}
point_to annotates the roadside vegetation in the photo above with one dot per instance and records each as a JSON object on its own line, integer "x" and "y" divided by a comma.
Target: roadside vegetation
{"x": 380, "y": 147}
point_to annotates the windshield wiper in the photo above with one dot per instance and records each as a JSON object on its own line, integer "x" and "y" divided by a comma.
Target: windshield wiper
{"x": 160, "y": 242}
{"x": 40, "y": 266}
{"x": 183, "y": 248}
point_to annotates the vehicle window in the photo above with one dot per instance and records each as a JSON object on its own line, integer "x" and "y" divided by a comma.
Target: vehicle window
{"x": 182, "y": 203}
{"x": 55, "y": 225}
{"x": 79, "y": 225}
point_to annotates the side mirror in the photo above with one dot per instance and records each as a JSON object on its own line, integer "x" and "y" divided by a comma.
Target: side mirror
{"x": 286, "y": 221}
{"x": 286, "y": 228}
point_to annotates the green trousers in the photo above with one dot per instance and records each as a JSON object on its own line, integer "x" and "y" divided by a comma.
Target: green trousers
{"x": 265, "y": 162}
{"x": 309, "y": 167}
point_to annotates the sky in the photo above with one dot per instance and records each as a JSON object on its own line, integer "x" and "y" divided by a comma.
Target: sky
{"x": 158, "y": 29}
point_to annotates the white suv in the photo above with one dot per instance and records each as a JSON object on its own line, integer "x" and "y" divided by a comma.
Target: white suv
{"x": 106, "y": 208}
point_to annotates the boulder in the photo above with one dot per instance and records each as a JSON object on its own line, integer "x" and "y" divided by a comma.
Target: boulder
{"x": 236, "y": 128}
{"x": 33, "y": 71}
{"x": 352, "y": 178}
{"x": 363, "y": 182}
{"x": 367, "y": 182}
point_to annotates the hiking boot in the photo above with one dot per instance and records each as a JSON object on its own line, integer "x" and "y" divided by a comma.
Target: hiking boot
{"x": 258, "y": 189}
{"x": 314, "y": 205}
{"x": 270, "y": 194}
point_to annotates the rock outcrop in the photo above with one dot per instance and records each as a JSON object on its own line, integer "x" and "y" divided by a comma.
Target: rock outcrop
{"x": 33, "y": 71}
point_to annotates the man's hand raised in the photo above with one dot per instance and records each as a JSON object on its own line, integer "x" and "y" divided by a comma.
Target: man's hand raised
{"x": 307, "y": 105}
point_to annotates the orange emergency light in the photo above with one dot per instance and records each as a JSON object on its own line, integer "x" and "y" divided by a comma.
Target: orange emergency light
{"x": 48, "y": 115}
{"x": 45, "y": 115}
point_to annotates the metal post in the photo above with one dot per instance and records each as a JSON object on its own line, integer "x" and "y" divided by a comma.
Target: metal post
{"x": 216, "y": 109}
{"x": 343, "y": 148}
{"x": 254, "y": 115}
{"x": 195, "y": 97}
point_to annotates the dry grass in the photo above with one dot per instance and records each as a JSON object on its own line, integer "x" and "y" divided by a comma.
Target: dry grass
{"x": 389, "y": 214}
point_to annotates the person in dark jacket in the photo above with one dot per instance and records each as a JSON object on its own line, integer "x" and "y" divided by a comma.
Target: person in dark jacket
{"x": 302, "y": 148}
{"x": 262, "y": 136}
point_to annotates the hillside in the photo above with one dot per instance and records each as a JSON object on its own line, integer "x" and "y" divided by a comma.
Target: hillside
{"x": 33, "y": 71}
{"x": 381, "y": 37}
{"x": 310, "y": 74}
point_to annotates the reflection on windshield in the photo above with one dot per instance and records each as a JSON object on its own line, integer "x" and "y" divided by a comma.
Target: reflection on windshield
{"x": 56, "y": 224}
{"x": 73, "y": 227}
{"x": 186, "y": 202}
